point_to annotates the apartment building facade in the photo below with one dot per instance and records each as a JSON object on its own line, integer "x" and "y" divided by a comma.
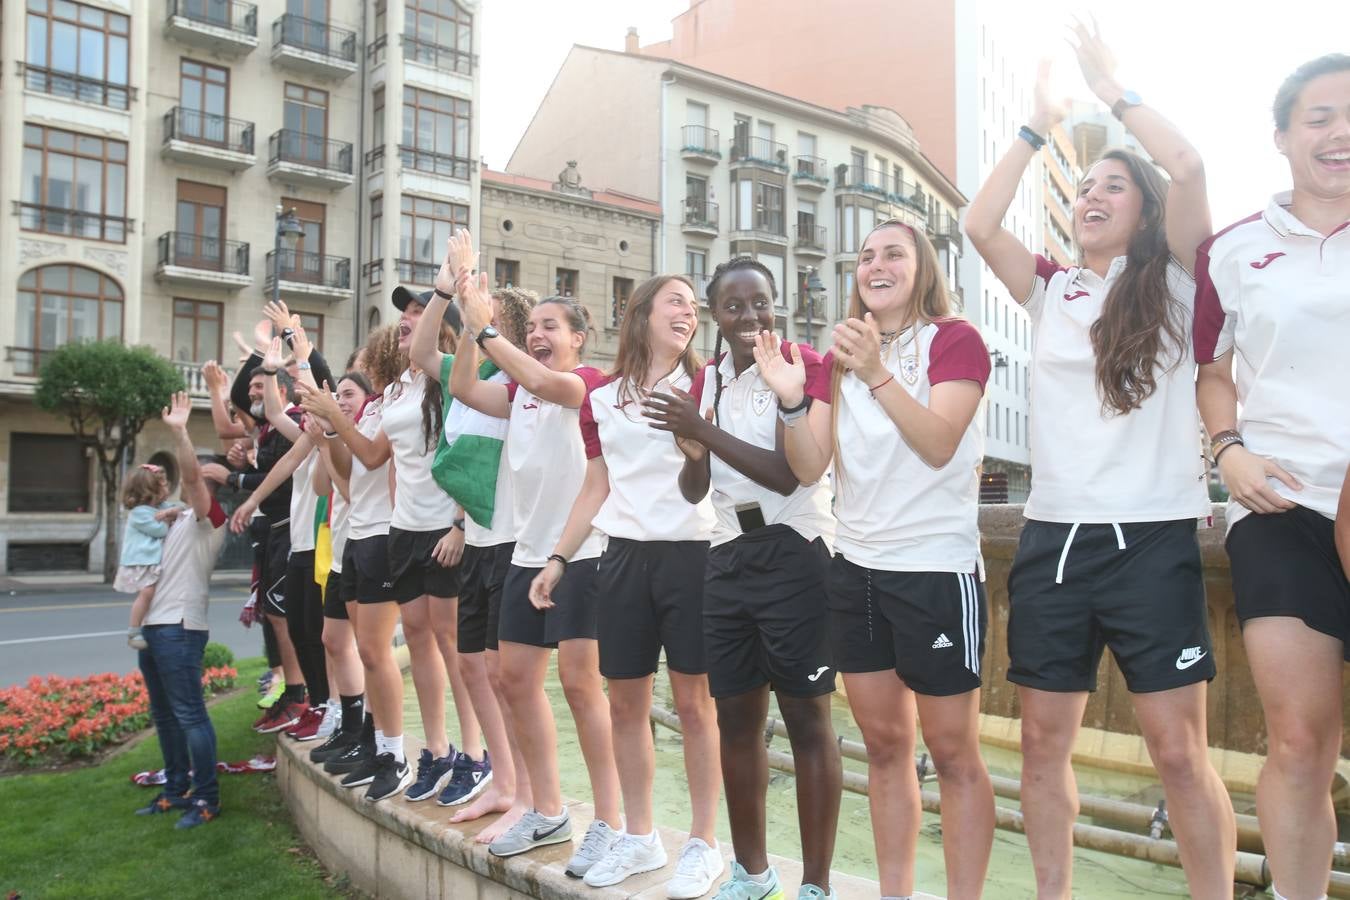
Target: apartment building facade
{"x": 741, "y": 170}
{"x": 149, "y": 149}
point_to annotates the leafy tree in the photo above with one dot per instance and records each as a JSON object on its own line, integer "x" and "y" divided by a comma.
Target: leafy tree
{"x": 107, "y": 391}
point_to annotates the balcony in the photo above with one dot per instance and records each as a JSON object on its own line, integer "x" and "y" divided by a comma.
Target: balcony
{"x": 761, "y": 152}
{"x": 884, "y": 185}
{"x": 810, "y": 241}
{"x": 76, "y": 223}
{"x": 766, "y": 225}
{"x": 700, "y": 282}
{"x": 70, "y": 86}
{"x": 809, "y": 173}
{"x": 944, "y": 227}
{"x": 443, "y": 59}
{"x": 310, "y": 275}
{"x": 294, "y": 157}
{"x": 314, "y": 48}
{"x": 699, "y": 143}
{"x": 442, "y": 164}
{"x": 192, "y": 136}
{"x": 26, "y": 360}
{"x": 700, "y": 217}
{"x": 414, "y": 272}
{"x": 197, "y": 260}
{"x": 375, "y": 160}
{"x": 228, "y": 27}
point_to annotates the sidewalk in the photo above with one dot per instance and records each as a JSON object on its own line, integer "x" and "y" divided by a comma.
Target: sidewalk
{"x": 65, "y": 581}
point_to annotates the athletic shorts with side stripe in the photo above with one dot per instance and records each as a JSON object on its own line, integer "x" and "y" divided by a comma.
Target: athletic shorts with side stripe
{"x": 272, "y": 577}
{"x": 764, "y": 615}
{"x": 927, "y": 626}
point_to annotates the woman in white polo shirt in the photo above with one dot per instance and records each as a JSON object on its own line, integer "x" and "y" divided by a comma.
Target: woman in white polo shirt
{"x": 764, "y": 616}
{"x": 1274, "y": 297}
{"x": 1108, "y": 556}
{"x": 547, "y": 463}
{"x": 906, "y": 596}
{"x": 651, "y": 598}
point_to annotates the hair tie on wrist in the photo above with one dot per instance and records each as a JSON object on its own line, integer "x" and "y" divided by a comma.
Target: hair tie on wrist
{"x": 559, "y": 558}
{"x": 442, "y": 294}
{"x": 873, "y": 390}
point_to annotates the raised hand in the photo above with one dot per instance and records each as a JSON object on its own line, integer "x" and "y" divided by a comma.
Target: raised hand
{"x": 214, "y": 376}
{"x": 857, "y": 344}
{"x": 175, "y": 415}
{"x": 313, "y": 428}
{"x": 272, "y": 359}
{"x": 1096, "y": 61}
{"x": 459, "y": 255}
{"x": 1047, "y": 110}
{"x": 245, "y": 348}
{"x": 786, "y": 379}
{"x": 300, "y": 344}
{"x": 318, "y": 402}
{"x": 677, "y": 413}
{"x": 280, "y": 316}
{"x": 262, "y": 334}
{"x": 475, "y": 300}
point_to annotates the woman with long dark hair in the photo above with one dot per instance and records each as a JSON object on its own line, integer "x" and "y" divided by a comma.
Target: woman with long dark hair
{"x": 1274, "y": 298}
{"x": 648, "y": 600}
{"x": 1108, "y": 556}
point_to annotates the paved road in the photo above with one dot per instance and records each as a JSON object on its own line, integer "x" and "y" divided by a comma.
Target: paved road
{"x": 81, "y": 630}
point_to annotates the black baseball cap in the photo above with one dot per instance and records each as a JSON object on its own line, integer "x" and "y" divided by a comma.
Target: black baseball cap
{"x": 402, "y": 297}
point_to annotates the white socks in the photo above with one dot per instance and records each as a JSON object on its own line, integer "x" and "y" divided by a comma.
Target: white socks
{"x": 1278, "y": 896}
{"x": 385, "y": 744}
{"x": 761, "y": 878}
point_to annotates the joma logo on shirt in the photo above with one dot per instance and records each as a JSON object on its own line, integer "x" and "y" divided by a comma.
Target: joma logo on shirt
{"x": 1266, "y": 260}
{"x": 1075, "y": 295}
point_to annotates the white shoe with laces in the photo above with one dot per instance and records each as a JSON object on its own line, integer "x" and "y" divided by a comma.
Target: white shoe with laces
{"x": 629, "y": 856}
{"x": 599, "y": 840}
{"x": 698, "y": 867}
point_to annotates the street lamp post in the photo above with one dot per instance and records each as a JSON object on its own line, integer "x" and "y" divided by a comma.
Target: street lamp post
{"x": 289, "y": 230}
{"x": 815, "y": 289}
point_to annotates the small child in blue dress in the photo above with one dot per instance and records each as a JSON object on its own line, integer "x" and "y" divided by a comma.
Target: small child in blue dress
{"x": 145, "y": 494}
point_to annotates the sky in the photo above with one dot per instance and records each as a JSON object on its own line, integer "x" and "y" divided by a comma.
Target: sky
{"x": 1211, "y": 67}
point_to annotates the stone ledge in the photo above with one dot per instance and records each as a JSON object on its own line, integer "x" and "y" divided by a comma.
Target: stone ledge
{"x": 394, "y": 849}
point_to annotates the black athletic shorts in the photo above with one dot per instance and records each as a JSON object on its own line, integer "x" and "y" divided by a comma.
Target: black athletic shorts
{"x": 651, "y": 596}
{"x": 765, "y": 619}
{"x": 413, "y": 570}
{"x": 483, "y": 571}
{"x": 334, "y": 604}
{"x": 1285, "y": 564}
{"x": 272, "y": 575}
{"x": 572, "y": 617}
{"x": 1137, "y": 588}
{"x": 927, "y": 626}
{"x": 365, "y": 570}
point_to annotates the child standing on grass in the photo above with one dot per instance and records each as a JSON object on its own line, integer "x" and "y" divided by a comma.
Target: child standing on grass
{"x": 145, "y": 494}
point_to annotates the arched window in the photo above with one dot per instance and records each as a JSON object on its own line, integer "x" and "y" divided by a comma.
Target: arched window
{"x": 60, "y": 304}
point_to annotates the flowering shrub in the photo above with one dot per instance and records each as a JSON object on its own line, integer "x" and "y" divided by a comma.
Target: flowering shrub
{"x": 55, "y": 718}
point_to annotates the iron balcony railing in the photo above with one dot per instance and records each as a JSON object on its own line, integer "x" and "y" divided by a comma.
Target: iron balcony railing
{"x": 812, "y": 167}
{"x": 315, "y": 37}
{"x": 199, "y": 127}
{"x": 745, "y": 148}
{"x": 411, "y": 271}
{"x": 700, "y": 280}
{"x": 944, "y": 225}
{"x": 700, "y": 213}
{"x": 76, "y": 87}
{"x": 72, "y": 222}
{"x": 435, "y": 163}
{"x": 198, "y": 251}
{"x": 27, "y": 360}
{"x": 701, "y": 139}
{"x": 447, "y": 59}
{"x": 232, "y": 15}
{"x": 882, "y": 184}
{"x": 311, "y": 268}
{"x": 375, "y": 159}
{"x": 309, "y": 150}
{"x": 373, "y": 272}
{"x": 765, "y": 222}
{"x": 810, "y": 237}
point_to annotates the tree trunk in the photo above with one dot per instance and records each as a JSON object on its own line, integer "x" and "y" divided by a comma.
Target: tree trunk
{"x": 110, "y": 506}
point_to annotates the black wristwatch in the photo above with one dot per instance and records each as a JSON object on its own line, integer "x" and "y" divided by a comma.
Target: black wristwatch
{"x": 1127, "y": 100}
{"x": 487, "y": 332}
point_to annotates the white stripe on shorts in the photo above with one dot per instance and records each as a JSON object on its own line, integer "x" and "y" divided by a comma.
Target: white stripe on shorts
{"x": 970, "y": 621}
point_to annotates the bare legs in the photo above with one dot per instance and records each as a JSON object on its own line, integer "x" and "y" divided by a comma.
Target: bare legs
{"x": 384, "y": 683}
{"x": 443, "y": 613}
{"x": 1050, "y": 721}
{"x": 512, "y": 794}
{"x": 428, "y": 672}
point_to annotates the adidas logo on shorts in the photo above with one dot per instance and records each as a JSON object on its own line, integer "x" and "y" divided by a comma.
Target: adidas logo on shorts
{"x": 942, "y": 642}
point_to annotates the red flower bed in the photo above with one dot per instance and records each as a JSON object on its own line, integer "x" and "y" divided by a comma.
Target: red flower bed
{"x": 53, "y": 718}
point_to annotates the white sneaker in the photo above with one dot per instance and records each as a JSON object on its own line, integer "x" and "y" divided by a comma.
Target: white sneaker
{"x": 629, "y": 856}
{"x": 332, "y": 720}
{"x": 699, "y": 866}
{"x": 599, "y": 840}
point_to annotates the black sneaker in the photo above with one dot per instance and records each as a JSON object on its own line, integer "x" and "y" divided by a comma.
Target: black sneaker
{"x": 389, "y": 776}
{"x": 338, "y": 743}
{"x": 351, "y": 759}
{"x": 432, "y": 774}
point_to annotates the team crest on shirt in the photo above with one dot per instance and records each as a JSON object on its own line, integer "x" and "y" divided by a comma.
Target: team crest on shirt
{"x": 760, "y": 401}
{"x": 909, "y": 368}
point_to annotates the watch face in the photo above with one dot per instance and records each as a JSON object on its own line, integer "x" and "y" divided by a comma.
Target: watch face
{"x": 1131, "y": 98}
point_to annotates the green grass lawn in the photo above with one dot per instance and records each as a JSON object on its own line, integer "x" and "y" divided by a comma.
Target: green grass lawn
{"x": 73, "y": 834}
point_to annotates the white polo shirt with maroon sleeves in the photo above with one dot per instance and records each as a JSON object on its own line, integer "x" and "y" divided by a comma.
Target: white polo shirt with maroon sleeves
{"x": 897, "y": 513}
{"x": 547, "y": 459}
{"x": 419, "y": 502}
{"x": 1093, "y": 466}
{"x": 369, "y": 488}
{"x": 1277, "y": 293}
{"x": 748, "y": 411}
{"x": 644, "y": 502}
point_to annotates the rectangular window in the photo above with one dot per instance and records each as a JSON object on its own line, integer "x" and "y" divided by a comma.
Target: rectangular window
{"x": 48, "y": 473}
{"x": 305, "y": 262}
{"x": 998, "y": 431}
{"x": 769, "y": 208}
{"x": 204, "y": 102}
{"x": 806, "y": 144}
{"x": 566, "y": 284}
{"x": 696, "y": 114}
{"x": 305, "y": 123}
{"x": 623, "y": 289}
{"x": 776, "y": 265}
{"x": 764, "y": 130}
{"x": 858, "y": 159}
{"x": 200, "y": 225}
{"x": 440, "y": 34}
{"x": 313, "y": 325}
{"x": 424, "y": 227}
{"x": 696, "y": 263}
{"x": 77, "y": 51}
{"x": 374, "y": 268}
{"x": 506, "y": 272}
{"x": 73, "y": 184}
{"x": 197, "y": 328}
{"x": 435, "y": 133}
{"x": 377, "y": 119}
